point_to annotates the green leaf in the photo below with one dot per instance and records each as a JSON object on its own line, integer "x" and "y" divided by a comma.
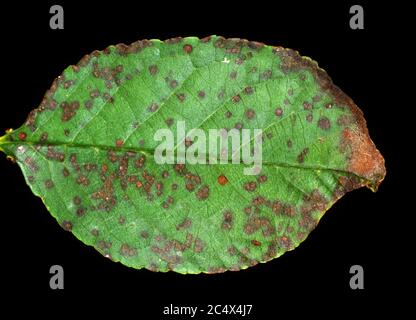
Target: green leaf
{"x": 87, "y": 151}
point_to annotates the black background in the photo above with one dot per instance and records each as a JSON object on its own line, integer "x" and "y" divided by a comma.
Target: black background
{"x": 358, "y": 229}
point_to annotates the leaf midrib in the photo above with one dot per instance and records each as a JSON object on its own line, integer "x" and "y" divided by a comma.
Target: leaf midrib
{"x": 149, "y": 152}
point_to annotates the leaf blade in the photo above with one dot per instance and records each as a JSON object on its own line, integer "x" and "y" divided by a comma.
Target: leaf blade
{"x": 215, "y": 219}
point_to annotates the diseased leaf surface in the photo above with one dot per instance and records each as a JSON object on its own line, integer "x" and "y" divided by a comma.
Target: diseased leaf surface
{"x": 87, "y": 150}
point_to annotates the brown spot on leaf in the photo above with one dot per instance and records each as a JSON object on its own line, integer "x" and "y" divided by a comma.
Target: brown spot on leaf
{"x": 49, "y": 184}
{"x": 173, "y": 84}
{"x": 278, "y": 112}
{"x": 68, "y": 84}
{"x": 345, "y": 120}
{"x": 66, "y": 225}
{"x": 88, "y": 104}
{"x": 181, "y": 97}
{"x": 203, "y": 192}
{"x": 69, "y": 110}
{"x": 199, "y": 245}
{"x": 256, "y": 243}
{"x": 153, "y": 107}
{"x": 238, "y": 126}
{"x": 250, "y": 186}
{"x": 227, "y": 220}
{"x": 95, "y": 93}
{"x": 248, "y": 90}
{"x": 51, "y": 154}
{"x": 83, "y": 180}
{"x": 104, "y": 244}
{"x": 22, "y": 135}
{"x": 135, "y": 47}
{"x": 313, "y": 202}
{"x": 266, "y": 74}
{"x": 324, "y": 123}
{"x": 187, "y": 48}
{"x": 77, "y": 200}
{"x": 44, "y": 137}
{"x": 262, "y": 178}
{"x": 307, "y": 105}
{"x": 169, "y": 122}
{"x": 119, "y": 143}
{"x": 236, "y": 98}
{"x": 144, "y": 234}
{"x": 31, "y": 164}
{"x": 201, "y": 94}
{"x": 185, "y": 224}
{"x": 301, "y": 156}
{"x": 127, "y": 251}
{"x": 153, "y": 69}
{"x": 139, "y": 163}
{"x": 108, "y": 97}
{"x": 222, "y": 180}
{"x": 255, "y": 223}
{"x": 81, "y": 211}
{"x": 65, "y": 172}
{"x": 250, "y": 113}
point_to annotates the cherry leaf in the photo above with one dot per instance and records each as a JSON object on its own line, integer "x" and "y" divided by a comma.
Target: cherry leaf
{"x": 89, "y": 149}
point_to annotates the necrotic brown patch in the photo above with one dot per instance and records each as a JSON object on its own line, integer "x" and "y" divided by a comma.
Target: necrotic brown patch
{"x": 77, "y": 200}
{"x": 65, "y": 172}
{"x": 248, "y": 90}
{"x": 278, "y": 112}
{"x": 22, "y": 135}
{"x": 227, "y": 220}
{"x": 255, "y": 223}
{"x": 203, "y": 192}
{"x": 81, "y": 212}
{"x": 127, "y": 251}
{"x": 222, "y": 180}
{"x": 181, "y": 97}
{"x": 250, "y": 113}
{"x": 250, "y": 186}
{"x": 301, "y": 156}
{"x": 364, "y": 159}
{"x": 69, "y": 110}
{"x": 307, "y": 105}
{"x": 187, "y": 48}
{"x": 153, "y": 107}
{"x": 49, "y": 184}
{"x": 324, "y": 123}
{"x": 119, "y": 143}
{"x": 256, "y": 243}
{"x": 66, "y": 225}
{"x": 185, "y": 224}
{"x": 201, "y": 94}
{"x": 153, "y": 69}
{"x": 199, "y": 245}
